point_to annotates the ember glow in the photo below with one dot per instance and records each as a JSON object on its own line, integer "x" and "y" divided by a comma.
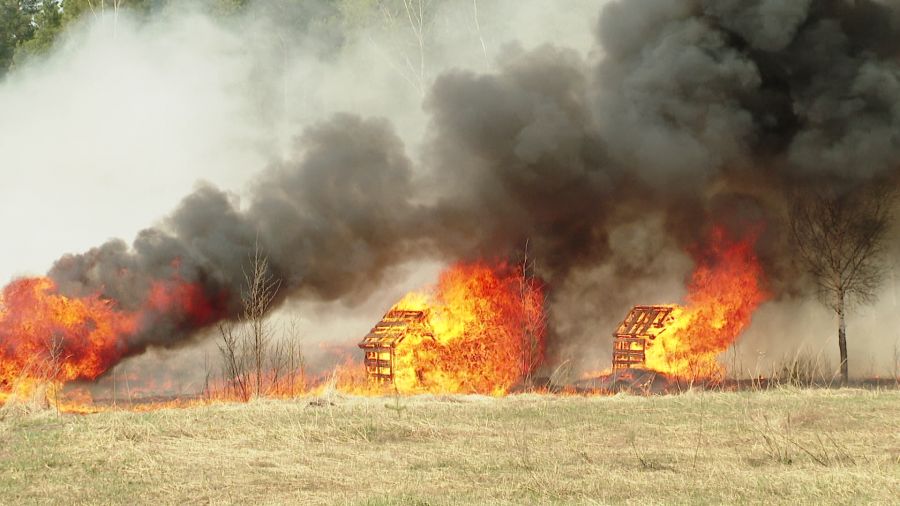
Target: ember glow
{"x": 177, "y": 296}
{"x": 484, "y": 331}
{"x": 724, "y": 291}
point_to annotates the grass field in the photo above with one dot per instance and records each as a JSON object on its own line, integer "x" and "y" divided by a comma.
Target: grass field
{"x": 770, "y": 447}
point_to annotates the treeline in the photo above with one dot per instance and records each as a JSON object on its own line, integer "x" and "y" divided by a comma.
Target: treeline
{"x": 31, "y": 27}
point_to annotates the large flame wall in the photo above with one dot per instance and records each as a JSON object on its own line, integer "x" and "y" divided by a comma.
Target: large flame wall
{"x": 484, "y": 332}
{"x": 723, "y": 292}
{"x": 55, "y": 337}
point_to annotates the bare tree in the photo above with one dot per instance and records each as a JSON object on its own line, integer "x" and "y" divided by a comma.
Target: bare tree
{"x": 53, "y": 366}
{"x": 207, "y": 370}
{"x": 840, "y": 239}
{"x": 234, "y": 357}
{"x": 245, "y": 345}
{"x": 534, "y": 318}
{"x": 286, "y": 363}
{"x": 98, "y": 9}
{"x": 414, "y": 18}
{"x": 261, "y": 290}
{"x": 277, "y": 365}
{"x": 415, "y": 14}
{"x": 296, "y": 360}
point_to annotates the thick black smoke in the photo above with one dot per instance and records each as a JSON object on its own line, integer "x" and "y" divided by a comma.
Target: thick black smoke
{"x": 692, "y": 87}
{"x": 690, "y": 111}
{"x": 330, "y": 224}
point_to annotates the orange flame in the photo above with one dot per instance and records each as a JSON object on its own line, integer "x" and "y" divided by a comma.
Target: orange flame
{"x": 46, "y": 336}
{"x": 485, "y": 332}
{"x": 723, "y": 293}
{"x": 37, "y": 323}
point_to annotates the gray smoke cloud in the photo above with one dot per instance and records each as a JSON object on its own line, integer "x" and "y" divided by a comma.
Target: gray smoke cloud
{"x": 691, "y": 113}
{"x": 809, "y": 86}
{"x": 321, "y": 221}
{"x": 686, "y": 113}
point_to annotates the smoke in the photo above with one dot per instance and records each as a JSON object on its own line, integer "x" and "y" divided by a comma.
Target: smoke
{"x": 517, "y": 157}
{"x": 695, "y": 111}
{"x": 609, "y": 154}
{"x": 151, "y": 105}
{"x": 108, "y": 132}
{"x": 805, "y": 86}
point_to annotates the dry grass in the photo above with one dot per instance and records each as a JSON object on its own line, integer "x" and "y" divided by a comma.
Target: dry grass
{"x": 784, "y": 446}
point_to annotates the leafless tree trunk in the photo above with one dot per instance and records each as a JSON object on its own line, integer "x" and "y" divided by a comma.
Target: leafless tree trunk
{"x": 478, "y": 31}
{"x": 278, "y": 359}
{"x": 839, "y": 235}
{"x": 53, "y": 366}
{"x": 245, "y": 345}
{"x": 261, "y": 290}
{"x": 417, "y": 15}
{"x": 234, "y": 358}
{"x": 116, "y": 4}
{"x": 533, "y": 317}
{"x": 296, "y": 360}
{"x": 842, "y": 337}
{"x": 207, "y": 370}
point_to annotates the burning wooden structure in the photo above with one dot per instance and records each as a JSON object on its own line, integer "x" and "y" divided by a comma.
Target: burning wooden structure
{"x": 381, "y": 342}
{"x": 641, "y": 326}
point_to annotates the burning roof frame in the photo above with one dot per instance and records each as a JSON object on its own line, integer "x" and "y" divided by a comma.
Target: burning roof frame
{"x": 381, "y": 342}
{"x": 641, "y": 325}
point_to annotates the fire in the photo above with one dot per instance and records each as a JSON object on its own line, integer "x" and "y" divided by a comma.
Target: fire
{"x": 724, "y": 291}
{"x": 78, "y": 338}
{"x": 480, "y": 329}
{"x": 484, "y": 332}
{"x": 47, "y": 337}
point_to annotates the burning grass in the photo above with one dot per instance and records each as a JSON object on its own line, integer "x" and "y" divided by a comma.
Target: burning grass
{"x": 779, "y": 446}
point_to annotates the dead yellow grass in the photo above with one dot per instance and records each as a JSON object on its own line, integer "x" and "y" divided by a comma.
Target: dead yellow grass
{"x": 785, "y": 446}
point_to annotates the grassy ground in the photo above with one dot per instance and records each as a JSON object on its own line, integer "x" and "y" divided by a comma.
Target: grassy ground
{"x": 784, "y": 446}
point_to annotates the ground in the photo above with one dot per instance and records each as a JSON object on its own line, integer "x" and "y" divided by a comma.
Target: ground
{"x": 766, "y": 447}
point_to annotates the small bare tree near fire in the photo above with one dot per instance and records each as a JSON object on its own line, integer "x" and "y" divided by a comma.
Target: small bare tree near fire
{"x": 236, "y": 373}
{"x": 256, "y": 362}
{"x": 286, "y": 363}
{"x": 52, "y": 367}
{"x": 534, "y": 318}
{"x": 261, "y": 290}
{"x": 37, "y": 386}
{"x": 410, "y": 22}
{"x": 295, "y": 360}
{"x": 840, "y": 239}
